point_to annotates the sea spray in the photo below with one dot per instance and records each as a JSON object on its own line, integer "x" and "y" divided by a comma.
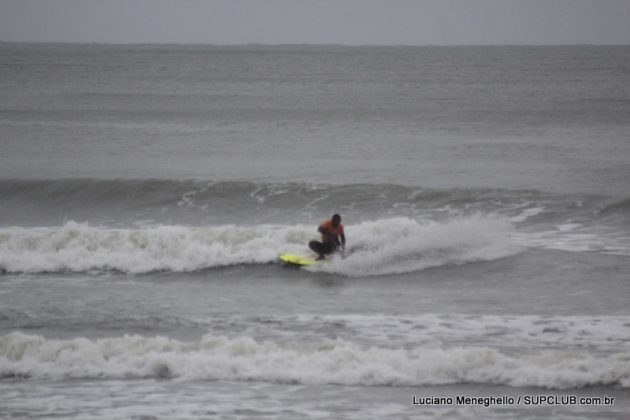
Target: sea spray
{"x": 403, "y": 245}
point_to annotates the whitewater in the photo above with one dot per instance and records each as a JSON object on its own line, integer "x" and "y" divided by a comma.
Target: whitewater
{"x": 383, "y": 247}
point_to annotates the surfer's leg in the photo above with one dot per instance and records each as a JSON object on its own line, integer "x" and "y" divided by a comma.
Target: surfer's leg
{"x": 321, "y": 249}
{"x": 317, "y": 248}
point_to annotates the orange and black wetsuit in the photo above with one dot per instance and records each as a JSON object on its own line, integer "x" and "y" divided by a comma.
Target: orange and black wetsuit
{"x": 332, "y": 237}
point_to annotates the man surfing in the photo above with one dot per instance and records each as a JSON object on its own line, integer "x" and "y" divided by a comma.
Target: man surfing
{"x": 332, "y": 237}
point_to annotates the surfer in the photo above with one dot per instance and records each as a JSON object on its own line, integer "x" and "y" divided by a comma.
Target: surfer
{"x": 332, "y": 237}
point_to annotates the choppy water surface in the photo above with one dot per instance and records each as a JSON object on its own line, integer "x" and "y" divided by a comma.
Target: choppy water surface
{"x": 147, "y": 191}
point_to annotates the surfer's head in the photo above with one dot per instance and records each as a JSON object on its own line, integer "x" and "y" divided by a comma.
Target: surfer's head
{"x": 336, "y": 219}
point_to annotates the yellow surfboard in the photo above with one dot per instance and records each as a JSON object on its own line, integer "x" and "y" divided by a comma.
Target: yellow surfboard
{"x": 299, "y": 259}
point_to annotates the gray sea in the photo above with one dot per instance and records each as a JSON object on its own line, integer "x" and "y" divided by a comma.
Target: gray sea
{"x": 146, "y": 192}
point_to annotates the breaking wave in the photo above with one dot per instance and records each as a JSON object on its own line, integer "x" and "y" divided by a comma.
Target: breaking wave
{"x": 380, "y": 247}
{"x": 316, "y": 362}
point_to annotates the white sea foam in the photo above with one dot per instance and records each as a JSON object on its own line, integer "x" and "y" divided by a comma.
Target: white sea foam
{"x": 526, "y": 214}
{"x": 379, "y": 247}
{"x": 80, "y": 247}
{"x": 313, "y": 362}
{"x": 403, "y": 245}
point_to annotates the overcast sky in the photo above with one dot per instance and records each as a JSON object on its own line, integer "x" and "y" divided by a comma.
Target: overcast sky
{"x": 354, "y": 22}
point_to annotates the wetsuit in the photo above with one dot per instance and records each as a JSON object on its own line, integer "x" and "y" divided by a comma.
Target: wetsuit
{"x": 330, "y": 238}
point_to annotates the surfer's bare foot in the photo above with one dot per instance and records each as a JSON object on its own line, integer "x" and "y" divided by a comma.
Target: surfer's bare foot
{"x": 321, "y": 257}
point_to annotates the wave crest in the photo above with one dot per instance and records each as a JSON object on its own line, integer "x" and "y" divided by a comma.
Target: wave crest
{"x": 317, "y": 362}
{"x": 384, "y": 246}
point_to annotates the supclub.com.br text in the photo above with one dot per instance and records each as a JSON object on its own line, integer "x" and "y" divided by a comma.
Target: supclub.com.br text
{"x": 525, "y": 400}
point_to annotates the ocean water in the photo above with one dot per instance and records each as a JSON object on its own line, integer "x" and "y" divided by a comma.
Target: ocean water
{"x": 146, "y": 192}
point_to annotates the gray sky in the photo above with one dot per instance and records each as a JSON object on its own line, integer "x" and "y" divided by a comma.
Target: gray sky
{"x": 354, "y": 22}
